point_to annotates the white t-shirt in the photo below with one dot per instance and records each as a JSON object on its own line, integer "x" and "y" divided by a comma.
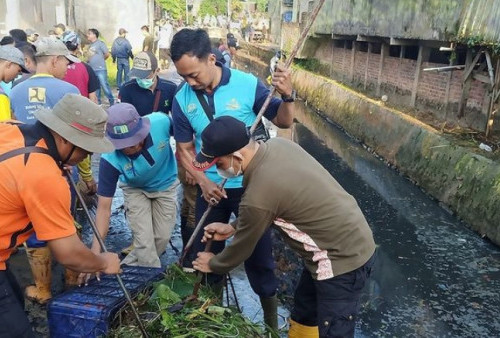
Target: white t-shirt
{"x": 165, "y": 36}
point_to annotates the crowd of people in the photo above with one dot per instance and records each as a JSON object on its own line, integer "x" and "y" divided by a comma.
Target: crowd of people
{"x": 53, "y": 120}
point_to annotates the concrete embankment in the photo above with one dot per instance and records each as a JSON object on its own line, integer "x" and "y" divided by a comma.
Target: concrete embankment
{"x": 459, "y": 176}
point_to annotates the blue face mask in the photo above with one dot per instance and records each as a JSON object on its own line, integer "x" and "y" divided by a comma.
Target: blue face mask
{"x": 145, "y": 83}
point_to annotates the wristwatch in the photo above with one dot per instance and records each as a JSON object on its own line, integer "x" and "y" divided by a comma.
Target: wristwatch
{"x": 289, "y": 98}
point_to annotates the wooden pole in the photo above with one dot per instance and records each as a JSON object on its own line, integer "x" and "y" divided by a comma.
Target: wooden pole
{"x": 447, "y": 91}
{"x": 383, "y": 54}
{"x": 353, "y": 60}
{"x": 422, "y": 55}
{"x": 368, "y": 54}
{"x": 495, "y": 92}
{"x": 332, "y": 57}
{"x": 344, "y": 57}
{"x": 466, "y": 83}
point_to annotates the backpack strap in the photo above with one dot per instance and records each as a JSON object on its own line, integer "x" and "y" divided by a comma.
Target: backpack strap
{"x": 208, "y": 110}
{"x": 21, "y": 151}
{"x": 157, "y": 100}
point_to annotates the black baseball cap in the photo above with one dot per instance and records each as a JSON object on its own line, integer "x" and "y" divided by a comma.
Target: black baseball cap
{"x": 223, "y": 136}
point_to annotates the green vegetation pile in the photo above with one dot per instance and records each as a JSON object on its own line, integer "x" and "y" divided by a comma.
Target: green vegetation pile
{"x": 164, "y": 313}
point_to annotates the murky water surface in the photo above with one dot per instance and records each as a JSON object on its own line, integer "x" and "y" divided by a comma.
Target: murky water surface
{"x": 434, "y": 277}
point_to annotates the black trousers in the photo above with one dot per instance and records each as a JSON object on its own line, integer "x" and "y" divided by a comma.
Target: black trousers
{"x": 259, "y": 267}
{"x": 13, "y": 319}
{"x": 332, "y": 304}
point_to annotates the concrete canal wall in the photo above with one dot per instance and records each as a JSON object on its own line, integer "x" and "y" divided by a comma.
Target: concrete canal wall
{"x": 459, "y": 176}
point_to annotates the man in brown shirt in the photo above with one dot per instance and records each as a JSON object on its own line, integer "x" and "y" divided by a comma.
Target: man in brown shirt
{"x": 320, "y": 221}
{"x": 147, "y": 43}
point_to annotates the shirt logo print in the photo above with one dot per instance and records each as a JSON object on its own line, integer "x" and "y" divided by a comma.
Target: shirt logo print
{"x": 36, "y": 95}
{"x": 191, "y": 108}
{"x": 127, "y": 167}
{"x": 233, "y": 105}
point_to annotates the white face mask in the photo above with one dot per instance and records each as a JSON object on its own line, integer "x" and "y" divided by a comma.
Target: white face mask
{"x": 229, "y": 172}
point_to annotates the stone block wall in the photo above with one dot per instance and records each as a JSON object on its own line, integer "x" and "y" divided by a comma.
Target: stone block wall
{"x": 460, "y": 177}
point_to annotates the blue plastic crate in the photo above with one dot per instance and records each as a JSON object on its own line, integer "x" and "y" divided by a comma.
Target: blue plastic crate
{"x": 88, "y": 311}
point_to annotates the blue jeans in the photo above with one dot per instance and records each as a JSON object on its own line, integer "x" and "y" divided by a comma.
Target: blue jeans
{"x": 102, "y": 75}
{"x": 123, "y": 67}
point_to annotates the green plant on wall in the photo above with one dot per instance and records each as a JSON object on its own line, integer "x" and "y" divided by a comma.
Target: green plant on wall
{"x": 478, "y": 41}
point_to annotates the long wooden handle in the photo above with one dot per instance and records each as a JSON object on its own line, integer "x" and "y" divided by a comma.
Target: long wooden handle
{"x": 289, "y": 61}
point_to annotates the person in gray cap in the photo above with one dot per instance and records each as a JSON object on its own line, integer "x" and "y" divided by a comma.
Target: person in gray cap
{"x": 11, "y": 64}
{"x": 146, "y": 90}
{"x": 32, "y": 35}
{"x": 31, "y": 162}
{"x": 145, "y": 165}
{"x": 45, "y": 88}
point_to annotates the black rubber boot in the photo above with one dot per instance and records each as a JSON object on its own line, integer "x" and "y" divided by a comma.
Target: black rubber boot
{"x": 270, "y": 308}
{"x": 186, "y": 233}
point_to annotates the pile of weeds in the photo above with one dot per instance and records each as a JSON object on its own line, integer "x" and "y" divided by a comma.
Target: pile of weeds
{"x": 165, "y": 315}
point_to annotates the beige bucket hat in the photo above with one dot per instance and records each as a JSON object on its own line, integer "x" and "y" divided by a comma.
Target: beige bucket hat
{"x": 80, "y": 121}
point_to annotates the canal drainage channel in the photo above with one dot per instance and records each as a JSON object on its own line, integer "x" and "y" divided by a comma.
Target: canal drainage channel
{"x": 434, "y": 276}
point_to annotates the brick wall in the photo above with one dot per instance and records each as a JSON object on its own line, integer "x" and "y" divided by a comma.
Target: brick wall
{"x": 399, "y": 73}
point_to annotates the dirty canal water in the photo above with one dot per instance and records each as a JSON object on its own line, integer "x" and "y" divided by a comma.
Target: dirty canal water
{"x": 434, "y": 277}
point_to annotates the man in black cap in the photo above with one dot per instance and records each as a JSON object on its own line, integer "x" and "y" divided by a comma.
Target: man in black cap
{"x": 317, "y": 218}
{"x": 212, "y": 90}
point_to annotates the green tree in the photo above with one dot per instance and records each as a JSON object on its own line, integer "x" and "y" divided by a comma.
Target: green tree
{"x": 175, "y": 8}
{"x": 261, "y": 5}
{"x": 236, "y": 7}
{"x": 213, "y": 7}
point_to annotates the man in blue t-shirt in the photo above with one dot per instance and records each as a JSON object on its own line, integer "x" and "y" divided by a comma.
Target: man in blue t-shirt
{"x": 98, "y": 53}
{"x": 210, "y": 91}
{"x": 145, "y": 165}
{"x": 45, "y": 88}
{"x": 146, "y": 91}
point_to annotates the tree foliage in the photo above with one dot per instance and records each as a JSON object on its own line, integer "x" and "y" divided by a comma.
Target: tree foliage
{"x": 175, "y": 8}
{"x": 213, "y": 7}
{"x": 261, "y": 5}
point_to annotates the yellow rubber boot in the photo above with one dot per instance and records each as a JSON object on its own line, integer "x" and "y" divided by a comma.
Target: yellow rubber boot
{"x": 70, "y": 278}
{"x": 302, "y": 331}
{"x": 40, "y": 262}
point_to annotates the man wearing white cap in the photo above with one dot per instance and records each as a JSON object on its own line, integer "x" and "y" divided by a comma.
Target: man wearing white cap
{"x": 34, "y": 195}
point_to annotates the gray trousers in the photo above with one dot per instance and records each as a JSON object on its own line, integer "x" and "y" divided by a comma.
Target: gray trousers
{"x": 151, "y": 217}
